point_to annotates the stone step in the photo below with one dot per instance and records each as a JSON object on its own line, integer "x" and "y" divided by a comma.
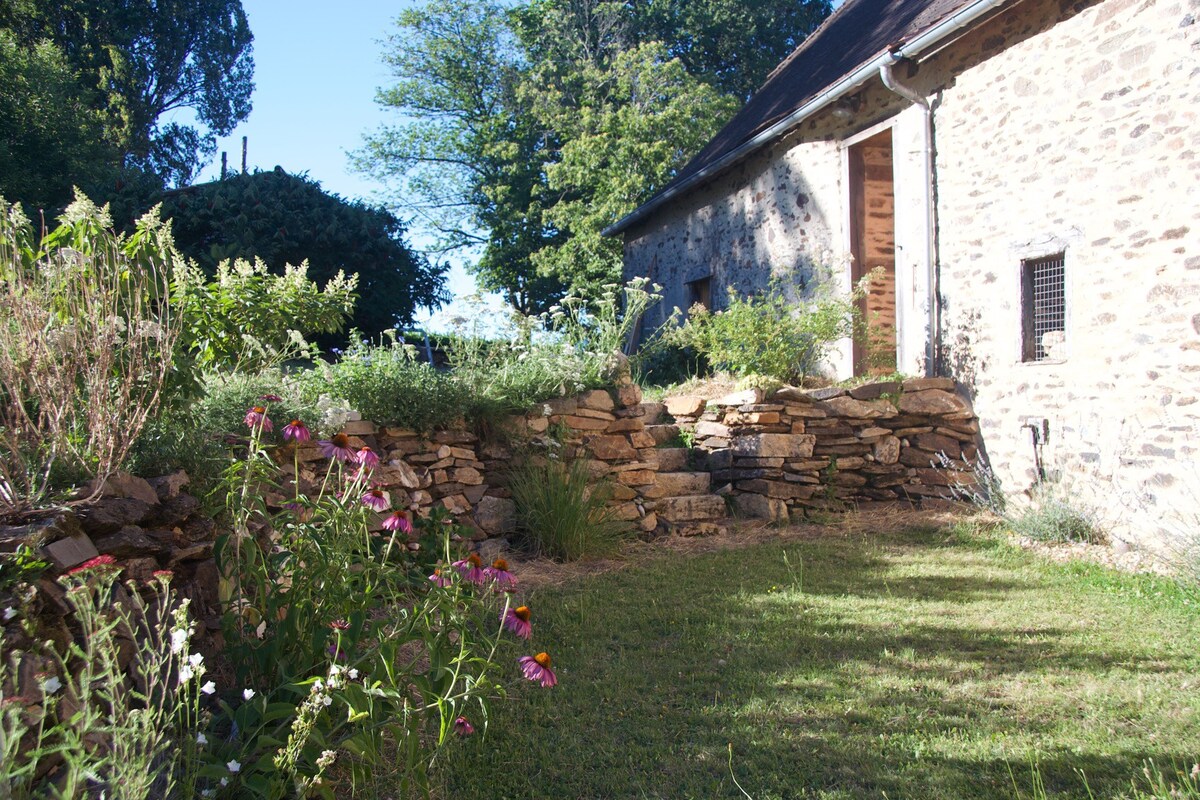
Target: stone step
{"x": 680, "y": 484}
{"x": 662, "y": 433}
{"x": 674, "y": 459}
{"x": 691, "y": 508}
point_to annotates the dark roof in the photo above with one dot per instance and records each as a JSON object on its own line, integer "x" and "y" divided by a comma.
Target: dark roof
{"x": 855, "y": 34}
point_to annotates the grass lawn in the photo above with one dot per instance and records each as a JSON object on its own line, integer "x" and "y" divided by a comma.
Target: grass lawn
{"x": 915, "y": 664}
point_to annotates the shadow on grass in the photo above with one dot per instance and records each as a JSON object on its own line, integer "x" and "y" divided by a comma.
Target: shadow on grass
{"x": 852, "y": 669}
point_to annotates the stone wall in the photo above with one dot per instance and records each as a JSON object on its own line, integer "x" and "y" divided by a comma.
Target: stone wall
{"x": 1058, "y": 128}
{"x": 833, "y": 449}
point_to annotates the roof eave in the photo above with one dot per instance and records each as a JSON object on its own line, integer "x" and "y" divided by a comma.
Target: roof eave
{"x": 913, "y": 48}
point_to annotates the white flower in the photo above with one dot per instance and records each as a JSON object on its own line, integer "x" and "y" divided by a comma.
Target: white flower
{"x": 196, "y": 660}
{"x": 546, "y": 410}
{"x": 234, "y": 766}
{"x": 185, "y": 674}
{"x": 224, "y": 781}
{"x": 327, "y": 700}
{"x": 208, "y": 688}
{"x": 178, "y": 638}
{"x": 201, "y": 738}
{"x": 353, "y": 674}
{"x": 248, "y": 694}
{"x": 334, "y": 669}
{"x": 318, "y": 685}
{"x": 51, "y": 684}
{"x": 9, "y": 613}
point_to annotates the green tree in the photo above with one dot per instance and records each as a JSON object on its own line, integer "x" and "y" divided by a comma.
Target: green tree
{"x": 287, "y": 219}
{"x": 134, "y": 61}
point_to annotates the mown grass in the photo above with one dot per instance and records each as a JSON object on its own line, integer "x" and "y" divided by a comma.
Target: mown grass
{"x": 913, "y": 665}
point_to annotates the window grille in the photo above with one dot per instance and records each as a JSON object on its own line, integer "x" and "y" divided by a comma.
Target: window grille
{"x": 1044, "y": 307}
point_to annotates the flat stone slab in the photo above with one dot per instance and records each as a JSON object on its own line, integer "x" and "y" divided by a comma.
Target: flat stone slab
{"x": 691, "y": 509}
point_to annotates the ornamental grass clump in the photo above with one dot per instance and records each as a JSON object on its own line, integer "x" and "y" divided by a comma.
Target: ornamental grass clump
{"x": 563, "y": 512}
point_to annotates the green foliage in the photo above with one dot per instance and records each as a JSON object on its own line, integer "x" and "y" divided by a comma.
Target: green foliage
{"x": 51, "y": 129}
{"x": 249, "y": 319}
{"x": 388, "y": 386}
{"x": 87, "y": 344}
{"x": 134, "y": 62}
{"x": 1053, "y": 516}
{"x": 769, "y": 335}
{"x": 563, "y": 511}
{"x": 530, "y": 128}
{"x": 281, "y": 219}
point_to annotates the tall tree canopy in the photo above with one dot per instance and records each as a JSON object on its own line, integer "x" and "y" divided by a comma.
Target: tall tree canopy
{"x": 528, "y": 128}
{"x": 288, "y": 219}
{"x": 120, "y": 66}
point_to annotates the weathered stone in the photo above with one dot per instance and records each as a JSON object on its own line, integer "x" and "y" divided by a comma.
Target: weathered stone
{"x": 685, "y": 406}
{"x": 128, "y": 542}
{"x": 122, "y": 484}
{"x": 662, "y": 433}
{"x": 828, "y": 393}
{"x": 112, "y": 514}
{"x": 887, "y": 450}
{"x": 496, "y": 516}
{"x": 931, "y": 401}
{"x": 642, "y": 440}
{"x": 766, "y": 445}
{"x": 359, "y": 428}
{"x": 637, "y": 477}
{"x": 752, "y": 418}
{"x": 626, "y": 512}
{"x": 792, "y": 395}
{"x": 169, "y": 486}
{"x": 936, "y": 443}
{"x": 689, "y": 509}
{"x": 621, "y": 492}
{"x": 626, "y": 425}
{"x": 674, "y": 459}
{"x": 595, "y": 413}
{"x": 921, "y": 384}
{"x": 678, "y": 484}
{"x": 586, "y": 423}
{"x": 70, "y": 552}
{"x": 561, "y": 406}
{"x": 649, "y": 522}
{"x": 475, "y": 493}
{"x": 783, "y": 490}
{"x": 867, "y": 434}
{"x": 397, "y": 473}
{"x": 629, "y": 394}
{"x": 456, "y": 504}
{"x": 873, "y": 391}
{"x": 705, "y": 429}
{"x": 596, "y": 399}
{"x": 741, "y": 398}
{"x": 650, "y": 412}
{"x": 538, "y": 424}
{"x": 612, "y": 448}
{"x": 467, "y": 476}
{"x": 59, "y": 525}
{"x": 859, "y": 409}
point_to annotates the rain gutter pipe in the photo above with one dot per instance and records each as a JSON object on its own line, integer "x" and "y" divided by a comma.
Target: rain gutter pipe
{"x": 912, "y": 50}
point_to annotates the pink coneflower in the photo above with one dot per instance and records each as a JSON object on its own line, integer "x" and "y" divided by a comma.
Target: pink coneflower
{"x": 498, "y": 572}
{"x": 366, "y": 456}
{"x": 257, "y": 416}
{"x": 517, "y": 621}
{"x": 297, "y": 431}
{"x": 271, "y": 398}
{"x": 537, "y": 669}
{"x": 375, "y": 500}
{"x": 462, "y": 727}
{"x": 93, "y": 563}
{"x": 438, "y": 579}
{"x": 337, "y": 447}
{"x": 398, "y": 521}
{"x": 340, "y": 625}
{"x": 471, "y": 568}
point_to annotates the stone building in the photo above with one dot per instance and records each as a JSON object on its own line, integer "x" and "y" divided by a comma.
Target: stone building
{"x": 1023, "y": 175}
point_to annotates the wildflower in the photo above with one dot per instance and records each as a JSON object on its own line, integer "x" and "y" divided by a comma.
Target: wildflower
{"x": 398, "y": 521}
{"x": 498, "y": 572}
{"x": 9, "y": 613}
{"x": 366, "y": 456}
{"x": 201, "y": 738}
{"x": 163, "y": 574}
{"x": 471, "y": 568}
{"x": 462, "y": 727}
{"x": 51, "y": 684}
{"x": 375, "y": 500}
{"x": 517, "y": 621}
{"x": 248, "y": 694}
{"x": 337, "y": 447}
{"x": 257, "y": 417}
{"x": 340, "y": 625}
{"x": 327, "y": 700}
{"x": 234, "y": 766}
{"x": 185, "y": 674}
{"x": 208, "y": 688}
{"x": 353, "y": 673}
{"x": 327, "y": 758}
{"x": 196, "y": 660}
{"x": 537, "y": 669}
{"x": 296, "y": 431}
{"x": 93, "y": 563}
{"x": 438, "y": 579}
{"x": 271, "y": 398}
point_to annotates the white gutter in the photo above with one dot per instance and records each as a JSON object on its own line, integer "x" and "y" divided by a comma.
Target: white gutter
{"x": 912, "y": 49}
{"x": 933, "y": 334}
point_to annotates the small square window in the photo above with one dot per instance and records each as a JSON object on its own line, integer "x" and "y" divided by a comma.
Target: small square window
{"x": 1043, "y": 308}
{"x": 700, "y": 292}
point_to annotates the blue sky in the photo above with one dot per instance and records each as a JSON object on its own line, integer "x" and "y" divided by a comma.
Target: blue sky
{"x": 317, "y": 66}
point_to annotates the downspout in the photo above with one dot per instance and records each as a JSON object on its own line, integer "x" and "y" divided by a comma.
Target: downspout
{"x": 888, "y": 76}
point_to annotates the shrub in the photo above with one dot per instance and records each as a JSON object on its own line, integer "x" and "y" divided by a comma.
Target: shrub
{"x": 769, "y": 335}
{"x": 87, "y": 341}
{"x": 563, "y": 511}
{"x": 387, "y": 385}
